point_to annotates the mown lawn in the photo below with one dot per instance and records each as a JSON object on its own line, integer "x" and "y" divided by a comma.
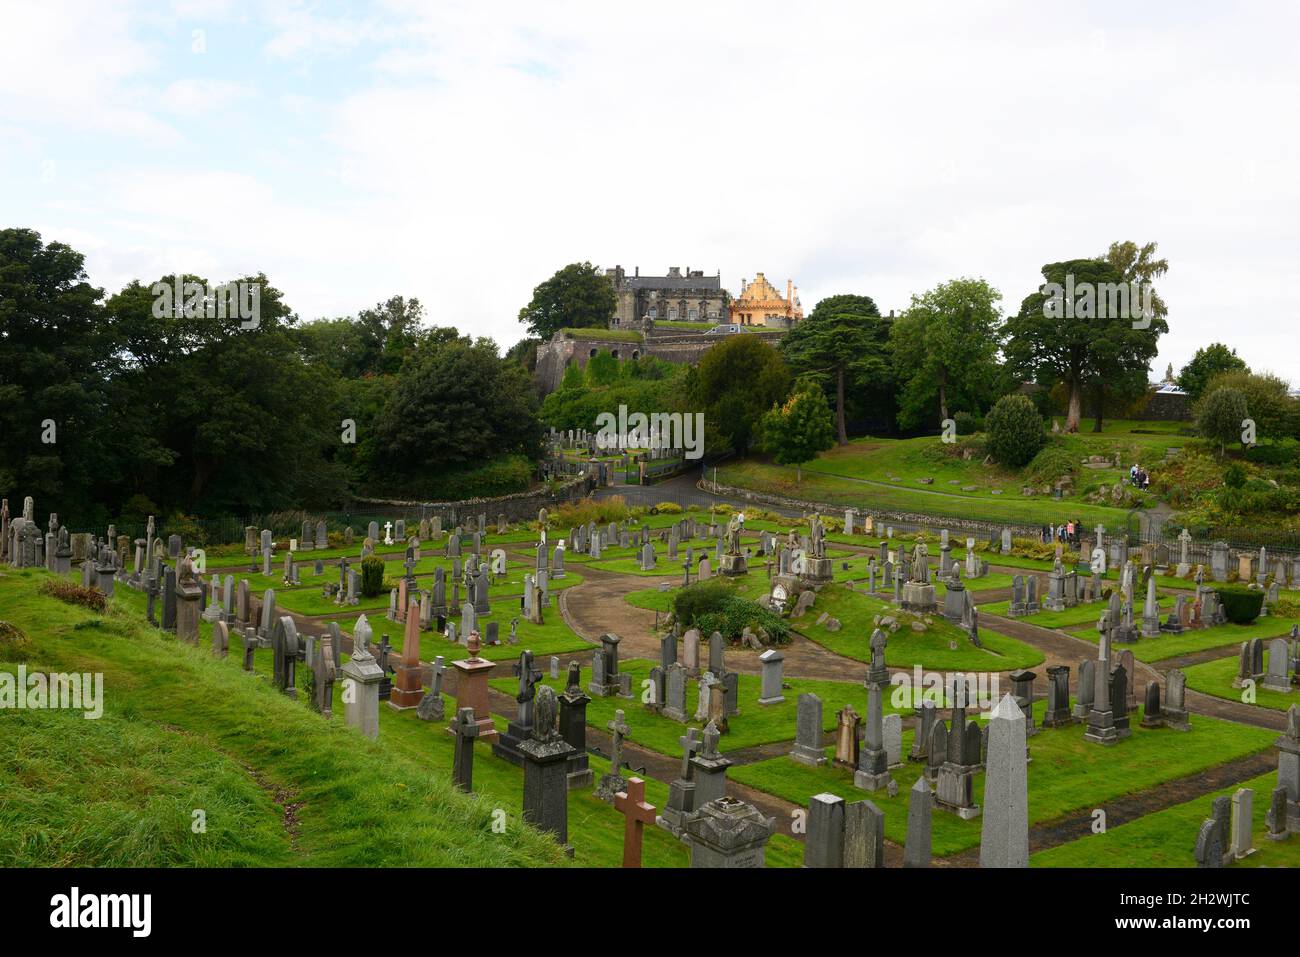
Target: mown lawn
{"x": 1215, "y": 678}
{"x": 1168, "y": 838}
{"x": 755, "y": 724}
{"x": 1194, "y": 640}
{"x": 930, "y": 649}
{"x": 1067, "y": 774}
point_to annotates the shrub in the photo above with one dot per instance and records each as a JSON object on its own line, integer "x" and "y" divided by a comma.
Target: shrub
{"x": 602, "y": 512}
{"x": 1241, "y": 605}
{"x": 666, "y": 508}
{"x": 1284, "y": 452}
{"x": 74, "y": 594}
{"x": 14, "y": 643}
{"x": 700, "y": 598}
{"x": 968, "y": 423}
{"x": 735, "y": 614}
{"x": 188, "y": 528}
{"x": 1014, "y": 431}
{"x": 1050, "y": 465}
{"x": 1234, "y": 476}
{"x": 372, "y": 576}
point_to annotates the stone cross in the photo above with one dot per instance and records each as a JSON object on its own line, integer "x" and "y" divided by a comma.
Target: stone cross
{"x": 636, "y": 814}
{"x": 465, "y": 728}
{"x": 620, "y": 731}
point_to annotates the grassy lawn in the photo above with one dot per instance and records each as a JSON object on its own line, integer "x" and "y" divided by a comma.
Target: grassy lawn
{"x": 1082, "y": 614}
{"x": 1067, "y": 774}
{"x": 856, "y": 612}
{"x": 1171, "y": 646}
{"x": 182, "y": 730}
{"x": 1215, "y": 678}
{"x": 120, "y": 791}
{"x": 1168, "y": 838}
{"x": 938, "y": 500}
{"x": 755, "y": 724}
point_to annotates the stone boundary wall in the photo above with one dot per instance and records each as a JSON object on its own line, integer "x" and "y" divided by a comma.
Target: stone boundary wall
{"x": 878, "y": 515}
{"x": 517, "y": 507}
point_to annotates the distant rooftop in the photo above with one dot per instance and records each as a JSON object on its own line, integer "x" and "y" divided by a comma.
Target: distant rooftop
{"x": 677, "y": 278}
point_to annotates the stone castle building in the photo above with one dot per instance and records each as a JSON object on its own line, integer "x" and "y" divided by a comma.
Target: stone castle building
{"x": 688, "y": 296}
{"x": 760, "y": 304}
{"x": 646, "y": 305}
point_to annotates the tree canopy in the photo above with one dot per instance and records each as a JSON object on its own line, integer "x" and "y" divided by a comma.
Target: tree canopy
{"x": 577, "y": 296}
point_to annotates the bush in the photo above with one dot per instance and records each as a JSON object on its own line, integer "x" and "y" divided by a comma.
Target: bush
{"x": 1234, "y": 476}
{"x": 14, "y": 643}
{"x": 700, "y": 598}
{"x": 1050, "y": 465}
{"x": 74, "y": 594}
{"x": 1220, "y": 414}
{"x": 968, "y": 423}
{"x": 666, "y": 508}
{"x": 736, "y": 614}
{"x": 1014, "y": 431}
{"x": 1241, "y": 605}
{"x": 1282, "y": 453}
{"x": 188, "y": 528}
{"x": 602, "y": 512}
{"x": 372, "y": 576}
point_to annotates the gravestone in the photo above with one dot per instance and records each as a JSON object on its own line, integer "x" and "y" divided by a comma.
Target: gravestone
{"x": 1004, "y": 835}
{"x": 808, "y": 748}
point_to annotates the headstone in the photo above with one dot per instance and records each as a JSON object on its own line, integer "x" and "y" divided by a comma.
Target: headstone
{"x": 808, "y": 748}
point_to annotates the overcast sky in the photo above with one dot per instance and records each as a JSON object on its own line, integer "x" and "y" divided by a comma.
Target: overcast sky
{"x": 461, "y": 152}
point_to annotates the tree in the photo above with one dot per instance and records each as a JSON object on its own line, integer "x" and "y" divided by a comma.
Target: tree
{"x": 795, "y": 432}
{"x": 1013, "y": 431}
{"x": 1071, "y": 331}
{"x": 734, "y": 383}
{"x": 1219, "y": 416}
{"x": 1138, "y": 264}
{"x": 456, "y": 405}
{"x": 1268, "y": 402}
{"x": 1208, "y": 362}
{"x": 945, "y": 348}
{"x": 576, "y": 297}
{"x": 843, "y": 342}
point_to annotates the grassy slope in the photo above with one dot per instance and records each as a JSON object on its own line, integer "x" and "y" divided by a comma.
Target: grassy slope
{"x": 1215, "y": 678}
{"x": 179, "y": 730}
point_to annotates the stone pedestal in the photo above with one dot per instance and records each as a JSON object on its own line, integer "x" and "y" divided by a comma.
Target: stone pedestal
{"x": 573, "y": 729}
{"x": 546, "y": 791}
{"x": 472, "y": 691}
{"x": 919, "y": 597}
{"x": 362, "y": 712}
{"x": 817, "y": 571}
{"x": 728, "y": 833}
{"x": 732, "y": 565}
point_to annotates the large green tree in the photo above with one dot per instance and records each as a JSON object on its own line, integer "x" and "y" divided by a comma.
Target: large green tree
{"x": 1208, "y": 362}
{"x": 577, "y": 296}
{"x": 795, "y": 432}
{"x": 843, "y": 345}
{"x": 1071, "y": 331}
{"x": 735, "y": 383}
{"x": 945, "y": 348}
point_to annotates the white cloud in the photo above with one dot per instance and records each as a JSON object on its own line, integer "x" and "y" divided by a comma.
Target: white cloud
{"x": 462, "y": 153}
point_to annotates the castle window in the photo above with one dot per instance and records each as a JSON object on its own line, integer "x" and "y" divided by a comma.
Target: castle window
{"x": 672, "y": 314}
{"x": 693, "y": 314}
{"x": 654, "y": 312}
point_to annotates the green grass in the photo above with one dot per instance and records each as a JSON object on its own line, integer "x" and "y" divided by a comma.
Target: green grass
{"x": 856, "y": 612}
{"x": 1168, "y": 838}
{"x": 614, "y": 335}
{"x": 1067, "y": 774}
{"x": 1082, "y": 614}
{"x": 1201, "y": 639}
{"x": 1215, "y": 678}
{"x": 755, "y": 724}
{"x": 180, "y": 729}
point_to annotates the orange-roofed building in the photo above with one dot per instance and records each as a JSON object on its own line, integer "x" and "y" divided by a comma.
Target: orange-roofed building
{"x": 761, "y": 304}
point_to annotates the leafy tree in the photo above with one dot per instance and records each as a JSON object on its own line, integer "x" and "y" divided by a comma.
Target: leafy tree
{"x": 1054, "y": 341}
{"x": 843, "y": 342}
{"x": 735, "y": 382}
{"x": 1208, "y": 362}
{"x": 602, "y": 368}
{"x": 1219, "y": 416}
{"x": 1268, "y": 402}
{"x": 1014, "y": 431}
{"x": 457, "y": 404}
{"x": 945, "y": 348}
{"x": 1139, "y": 264}
{"x": 577, "y": 296}
{"x": 795, "y": 432}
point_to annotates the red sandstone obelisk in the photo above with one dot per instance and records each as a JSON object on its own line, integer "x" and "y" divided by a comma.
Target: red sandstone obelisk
{"x": 472, "y": 689}
{"x": 408, "y": 689}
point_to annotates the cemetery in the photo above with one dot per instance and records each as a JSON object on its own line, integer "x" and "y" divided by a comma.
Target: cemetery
{"x": 937, "y": 510}
{"x": 830, "y": 702}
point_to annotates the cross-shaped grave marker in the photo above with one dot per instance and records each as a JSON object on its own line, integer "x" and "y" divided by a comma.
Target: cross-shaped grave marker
{"x": 636, "y": 815}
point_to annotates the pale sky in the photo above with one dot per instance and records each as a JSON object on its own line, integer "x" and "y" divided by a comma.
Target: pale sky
{"x": 461, "y": 152}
